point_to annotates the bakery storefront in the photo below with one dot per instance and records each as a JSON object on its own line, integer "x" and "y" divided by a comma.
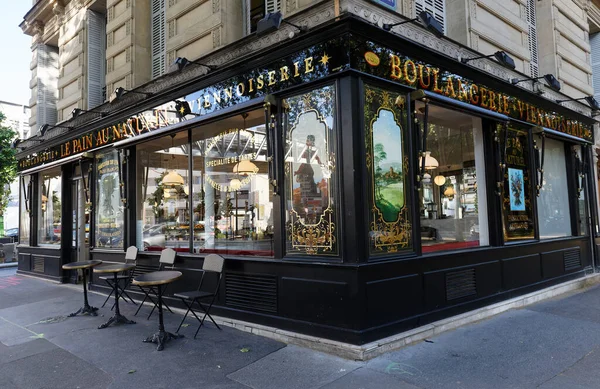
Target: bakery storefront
{"x": 355, "y": 188}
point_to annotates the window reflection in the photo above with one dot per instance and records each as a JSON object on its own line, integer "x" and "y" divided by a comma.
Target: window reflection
{"x": 452, "y": 200}
{"x": 50, "y": 207}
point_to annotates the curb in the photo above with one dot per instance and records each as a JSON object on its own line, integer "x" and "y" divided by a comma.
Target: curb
{"x": 373, "y": 349}
{"x": 9, "y": 264}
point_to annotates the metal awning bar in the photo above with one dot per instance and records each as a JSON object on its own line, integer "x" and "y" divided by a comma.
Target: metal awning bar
{"x": 486, "y": 113}
{"x": 561, "y": 135}
{"x": 60, "y": 162}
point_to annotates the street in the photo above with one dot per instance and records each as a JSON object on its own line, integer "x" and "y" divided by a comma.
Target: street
{"x": 553, "y": 344}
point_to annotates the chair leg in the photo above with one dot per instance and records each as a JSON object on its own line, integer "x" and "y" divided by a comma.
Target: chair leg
{"x": 110, "y": 294}
{"x": 186, "y": 313}
{"x": 146, "y": 297}
{"x": 208, "y": 314}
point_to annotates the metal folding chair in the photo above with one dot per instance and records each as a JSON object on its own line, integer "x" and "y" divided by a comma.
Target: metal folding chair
{"x": 123, "y": 280}
{"x": 167, "y": 258}
{"x": 213, "y": 264}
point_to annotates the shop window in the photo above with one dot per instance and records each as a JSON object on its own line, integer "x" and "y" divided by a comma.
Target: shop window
{"x": 518, "y": 189}
{"x": 109, "y": 207}
{"x": 25, "y": 215}
{"x": 580, "y": 172}
{"x": 310, "y": 186}
{"x": 387, "y": 163}
{"x": 163, "y": 214}
{"x": 453, "y": 206}
{"x": 554, "y": 215}
{"x": 232, "y": 200}
{"x": 50, "y": 207}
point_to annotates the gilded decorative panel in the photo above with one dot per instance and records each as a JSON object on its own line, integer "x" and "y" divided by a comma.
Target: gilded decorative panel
{"x": 310, "y": 172}
{"x": 390, "y": 227}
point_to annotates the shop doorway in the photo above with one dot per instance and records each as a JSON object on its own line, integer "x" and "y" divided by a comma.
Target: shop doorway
{"x": 81, "y": 219}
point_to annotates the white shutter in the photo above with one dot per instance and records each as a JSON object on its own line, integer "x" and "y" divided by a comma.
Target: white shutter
{"x": 96, "y": 58}
{"x": 437, "y": 8}
{"x": 272, "y": 6}
{"x": 158, "y": 38}
{"x": 595, "y": 59}
{"x": 47, "y": 86}
{"x": 533, "y": 41}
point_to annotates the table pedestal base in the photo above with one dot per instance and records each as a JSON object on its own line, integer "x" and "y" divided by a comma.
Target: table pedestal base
{"x": 116, "y": 319}
{"x": 160, "y": 338}
{"x": 85, "y": 310}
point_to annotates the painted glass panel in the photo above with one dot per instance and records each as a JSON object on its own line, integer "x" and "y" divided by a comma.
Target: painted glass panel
{"x": 310, "y": 172}
{"x": 387, "y": 164}
{"x": 109, "y": 207}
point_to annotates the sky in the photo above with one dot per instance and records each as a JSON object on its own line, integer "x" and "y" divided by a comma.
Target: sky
{"x": 16, "y": 50}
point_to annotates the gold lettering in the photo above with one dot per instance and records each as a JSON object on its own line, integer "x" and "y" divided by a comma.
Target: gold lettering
{"x": 492, "y": 96}
{"x": 395, "y": 71}
{"x": 296, "y": 70}
{"x": 216, "y": 97}
{"x": 462, "y": 92}
{"x": 521, "y": 108}
{"x": 206, "y": 101}
{"x": 251, "y": 85}
{"x": 450, "y": 88}
{"x": 229, "y": 92}
{"x": 436, "y": 76}
{"x": 240, "y": 89}
{"x": 260, "y": 82}
{"x": 484, "y": 96}
{"x": 271, "y": 77}
{"x": 422, "y": 83}
{"x": 505, "y": 101}
{"x": 413, "y": 79}
{"x": 308, "y": 65}
{"x": 474, "y": 94}
{"x": 284, "y": 73}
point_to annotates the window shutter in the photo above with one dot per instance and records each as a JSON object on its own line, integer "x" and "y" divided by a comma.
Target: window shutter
{"x": 96, "y": 58}
{"x": 595, "y": 59}
{"x": 158, "y": 38}
{"x": 272, "y": 5}
{"x": 533, "y": 42}
{"x": 47, "y": 86}
{"x": 437, "y": 8}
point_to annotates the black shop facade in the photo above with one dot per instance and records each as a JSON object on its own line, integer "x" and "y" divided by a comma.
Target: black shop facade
{"x": 356, "y": 189}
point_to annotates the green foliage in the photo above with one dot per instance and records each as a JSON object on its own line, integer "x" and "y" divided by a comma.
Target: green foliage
{"x": 8, "y": 163}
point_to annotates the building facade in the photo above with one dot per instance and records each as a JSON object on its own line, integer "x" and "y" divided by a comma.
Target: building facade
{"x": 360, "y": 176}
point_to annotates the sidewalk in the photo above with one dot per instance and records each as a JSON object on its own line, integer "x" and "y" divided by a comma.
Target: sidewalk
{"x": 553, "y": 344}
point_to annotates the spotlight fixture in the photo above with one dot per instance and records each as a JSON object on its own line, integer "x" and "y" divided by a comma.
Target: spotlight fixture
{"x": 589, "y": 99}
{"x": 47, "y": 127}
{"x": 182, "y": 62}
{"x": 116, "y": 95}
{"x": 272, "y": 21}
{"x": 426, "y": 19}
{"x": 15, "y": 143}
{"x": 552, "y": 82}
{"x": 501, "y": 56}
{"x": 78, "y": 111}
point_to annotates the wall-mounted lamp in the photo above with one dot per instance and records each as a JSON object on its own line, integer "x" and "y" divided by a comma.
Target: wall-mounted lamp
{"x": 47, "y": 127}
{"x": 116, "y": 95}
{"x": 78, "y": 111}
{"x": 272, "y": 21}
{"x": 500, "y": 56}
{"x": 589, "y": 99}
{"x": 552, "y": 82}
{"x": 426, "y": 19}
{"x": 181, "y": 62}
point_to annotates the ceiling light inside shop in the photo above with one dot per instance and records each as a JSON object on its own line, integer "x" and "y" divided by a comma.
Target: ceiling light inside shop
{"x": 172, "y": 179}
{"x": 245, "y": 167}
{"x": 439, "y": 180}
{"x": 430, "y": 162}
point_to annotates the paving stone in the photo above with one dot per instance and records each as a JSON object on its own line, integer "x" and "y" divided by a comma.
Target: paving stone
{"x": 365, "y": 378}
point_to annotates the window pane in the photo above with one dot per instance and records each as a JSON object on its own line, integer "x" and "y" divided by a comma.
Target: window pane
{"x": 582, "y": 191}
{"x": 453, "y": 206}
{"x": 232, "y": 199}
{"x": 310, "y": 173}
{"x": 387, "y": 162}
{"x": 553, "y": 203}
{"x": 109, "y": 208}
{"x": 25, "y": 193}
{"x": 50, "y": 206}
{"x": 518, "y": 189}
{"x": 163, "y": 213}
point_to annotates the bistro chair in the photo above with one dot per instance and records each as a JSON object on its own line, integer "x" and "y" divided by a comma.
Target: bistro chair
{"x": 123, "y": 280}
{"x": 213, "y": 264}
{"x": 167, "y": 259}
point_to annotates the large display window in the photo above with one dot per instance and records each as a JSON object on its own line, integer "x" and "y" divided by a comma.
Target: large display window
{"x": 554, "y": 214}
{"x": 109, "y": 208}
{"x": 50, "y": 207}
{"x": 385, "y": 118}
{"x": 452, "y": 199}
{"x": 310, "y": 138}
{"x": 25, "y": 215}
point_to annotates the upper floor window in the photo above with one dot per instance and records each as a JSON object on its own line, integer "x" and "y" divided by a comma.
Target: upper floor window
{"x": 257, "y": 9}
{"x": 437, "y": 8}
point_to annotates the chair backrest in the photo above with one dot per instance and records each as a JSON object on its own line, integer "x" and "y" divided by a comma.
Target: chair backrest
{"x": 131, "y": 254}
{"x": 167, "y": 258}
{"x": 213, "y": 262}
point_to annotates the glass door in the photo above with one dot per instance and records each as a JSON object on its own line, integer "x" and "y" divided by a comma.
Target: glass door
{"x": 80, "y": 221}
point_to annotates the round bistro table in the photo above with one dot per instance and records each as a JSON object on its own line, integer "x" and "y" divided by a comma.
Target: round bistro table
{"x": 158, "y": 279}
{"x": 85, "y": 266}
{"x": 116, "y": 268}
